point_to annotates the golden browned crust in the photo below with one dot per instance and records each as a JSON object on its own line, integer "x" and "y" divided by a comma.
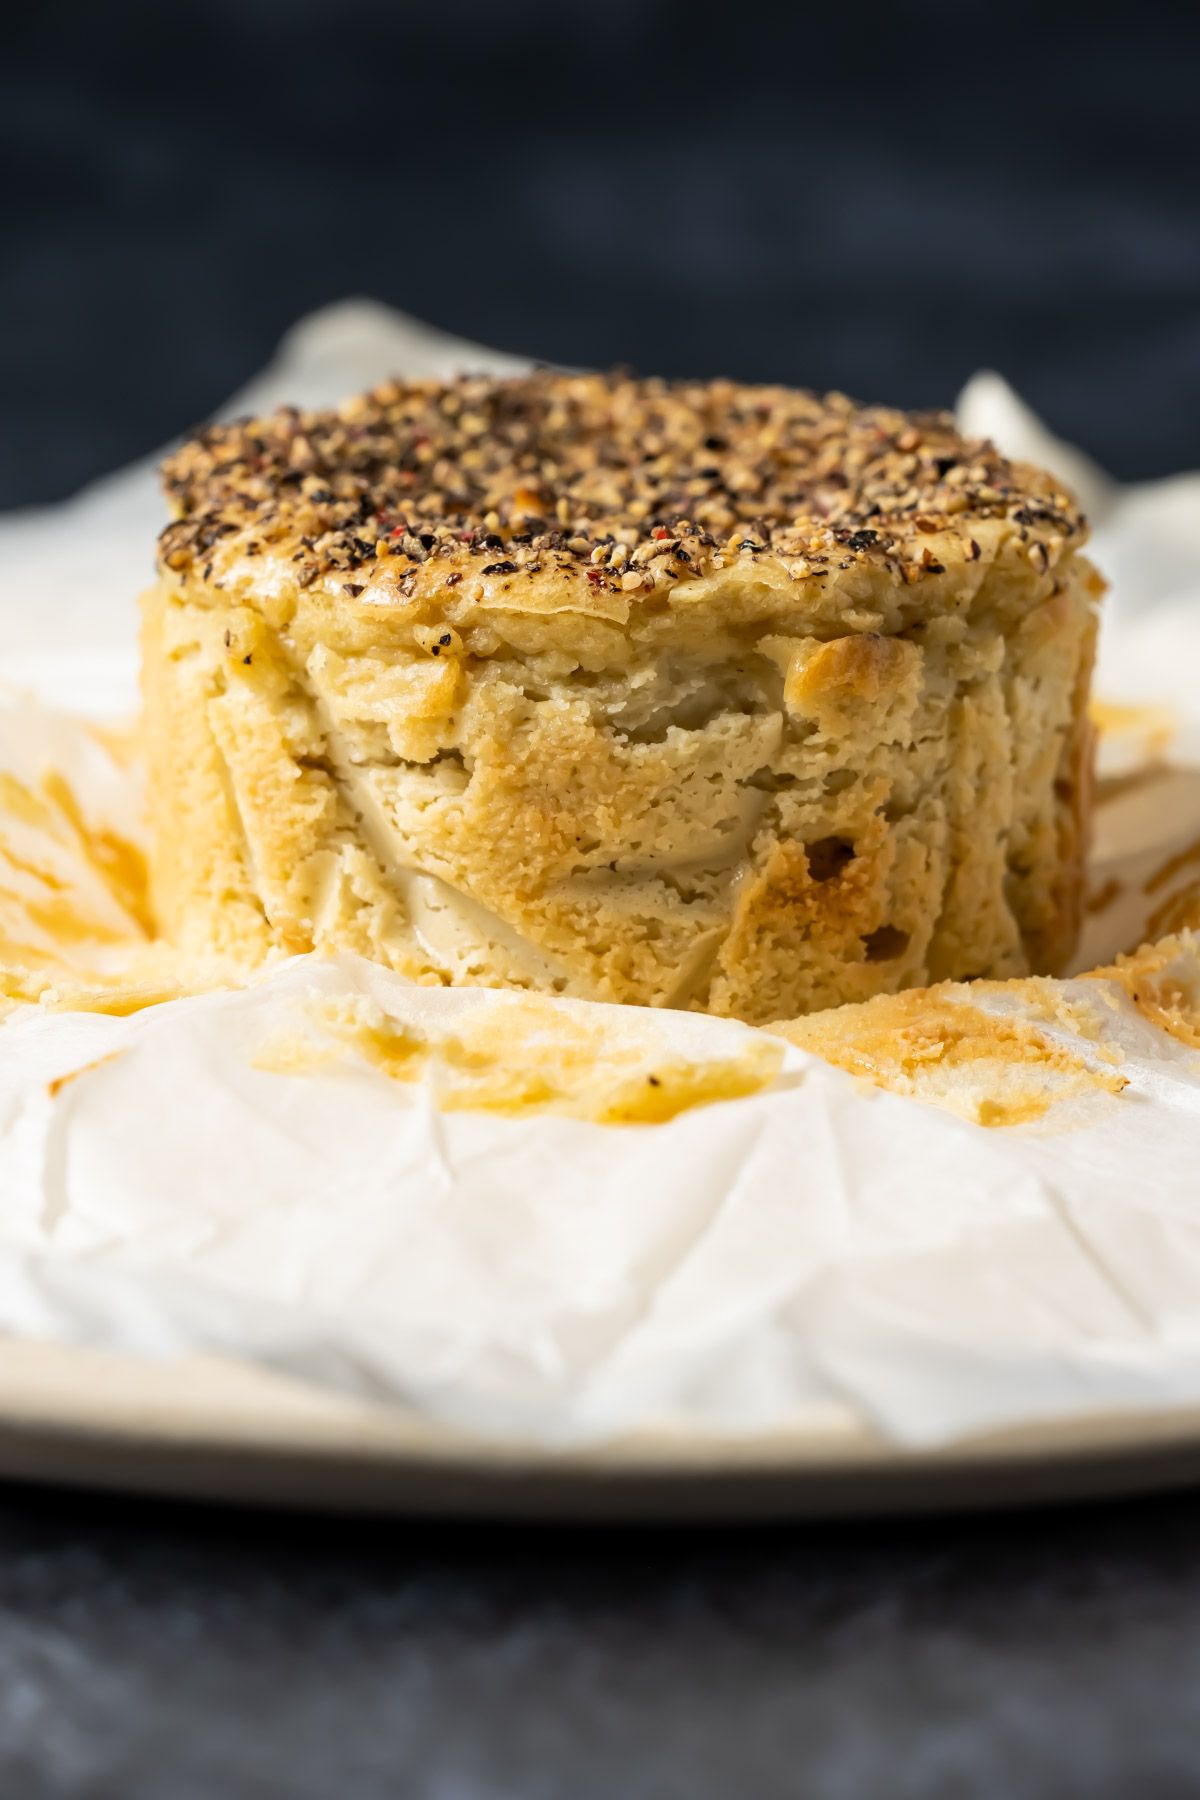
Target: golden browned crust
{"x": 590, "y": 486}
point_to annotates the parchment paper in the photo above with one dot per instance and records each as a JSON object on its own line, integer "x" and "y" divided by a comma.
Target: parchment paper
{"x": 545, "y": 1279}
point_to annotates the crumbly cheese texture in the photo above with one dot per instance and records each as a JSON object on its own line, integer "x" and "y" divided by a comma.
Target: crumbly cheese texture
{"x": 727, "y": 698}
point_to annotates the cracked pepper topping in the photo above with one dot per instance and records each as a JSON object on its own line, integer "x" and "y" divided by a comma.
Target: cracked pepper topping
{"x": 625, "y": 483}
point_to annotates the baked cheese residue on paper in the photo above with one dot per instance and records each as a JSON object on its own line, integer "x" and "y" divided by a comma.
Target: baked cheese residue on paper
{"x": 525, "y": 1053}
{"x": 937, "y": 1044}
{"x": 72, "y": 896}
{"x": 76, "y": 930}
{"x": 1163, "y": 981}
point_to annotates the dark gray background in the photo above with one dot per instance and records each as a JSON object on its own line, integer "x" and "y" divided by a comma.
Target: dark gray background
{"x": 878, "y": 198}
{"x": 155, "y": 1654}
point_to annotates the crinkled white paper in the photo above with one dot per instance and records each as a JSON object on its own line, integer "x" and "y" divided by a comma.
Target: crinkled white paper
{"x": 549, "y": 1280}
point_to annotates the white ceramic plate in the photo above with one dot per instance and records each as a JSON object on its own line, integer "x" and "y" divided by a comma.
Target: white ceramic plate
{"x": 201, "y": 1428}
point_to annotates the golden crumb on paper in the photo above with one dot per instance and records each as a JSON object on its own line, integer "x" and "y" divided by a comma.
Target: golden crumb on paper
{"x": 731, "y": 699}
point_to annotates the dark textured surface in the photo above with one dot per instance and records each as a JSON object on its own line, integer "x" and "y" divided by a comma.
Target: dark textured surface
{"x": 882, "y": 200}
{"x": 162, "y": 1654}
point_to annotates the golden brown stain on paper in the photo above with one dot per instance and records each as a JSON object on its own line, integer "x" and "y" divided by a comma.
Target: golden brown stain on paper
{"x": 928, "y": 1042}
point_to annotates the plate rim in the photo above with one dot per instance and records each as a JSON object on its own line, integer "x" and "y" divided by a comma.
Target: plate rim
{"x": 206, "y": 1428}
